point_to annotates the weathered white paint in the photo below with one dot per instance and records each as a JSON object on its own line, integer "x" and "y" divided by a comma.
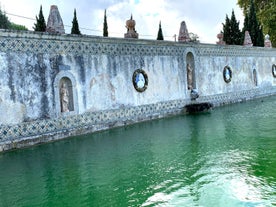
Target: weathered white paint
{"x": 102, "y": 68}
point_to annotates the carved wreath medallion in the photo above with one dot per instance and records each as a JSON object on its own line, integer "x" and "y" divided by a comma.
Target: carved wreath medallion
{"x": 227, "y": 74}
{"x": 274, "y": 70}
{"x": 140, "y": 80}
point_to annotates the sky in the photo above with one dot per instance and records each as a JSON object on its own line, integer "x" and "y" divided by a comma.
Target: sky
{"x": 202, "y": 17}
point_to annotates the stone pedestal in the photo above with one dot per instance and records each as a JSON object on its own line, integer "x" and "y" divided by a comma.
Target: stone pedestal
{"x": 220, "y": 37}
{"x": 267, "y": 42}
{"x": 183, "y": 33}
{"x": 130, "y": 25}
{"x": 55, "y": 24}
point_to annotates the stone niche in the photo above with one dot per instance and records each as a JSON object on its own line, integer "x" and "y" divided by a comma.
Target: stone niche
{"x": 65, "y": 94}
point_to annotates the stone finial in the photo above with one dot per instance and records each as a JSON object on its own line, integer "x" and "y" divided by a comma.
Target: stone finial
{"x": 267, "y": 42}
{"x": 183, "y": 33}
{"x": 247, "y": 40}
{"x": 220, "y": 37}
{"x": 130, "y": 25}
{"x": 55, "y": 24}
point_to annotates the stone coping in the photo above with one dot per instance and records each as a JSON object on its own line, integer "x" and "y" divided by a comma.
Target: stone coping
{"x": 28, "y": 41}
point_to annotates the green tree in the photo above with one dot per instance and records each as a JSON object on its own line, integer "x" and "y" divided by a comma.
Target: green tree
{"x": 105, "y": 27}
{"x": 236, "y": 33}
{"x": 4, "y": 21}
{"x": 193, "y": 37}
{"x": 255, "y": 29}
{"x": 18, "y": 27}
{"x": 160, "y": 33}
{"x": 40, "y": 25}
{"x": 265, "y": 10}
{"x": 227, "y": 30}
{"x": 231, "y": 31}
{"x": 75, "y": 25}
{"x": 6, "y": 24}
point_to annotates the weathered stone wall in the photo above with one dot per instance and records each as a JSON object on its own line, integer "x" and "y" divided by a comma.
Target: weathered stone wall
{"x": 99, "y": 72}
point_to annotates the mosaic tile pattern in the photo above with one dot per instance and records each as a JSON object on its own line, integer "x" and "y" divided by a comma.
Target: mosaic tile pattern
{"x": 106, "y": 119}
{"x": 40, "y": 127}
{"x": 45, "y": 43}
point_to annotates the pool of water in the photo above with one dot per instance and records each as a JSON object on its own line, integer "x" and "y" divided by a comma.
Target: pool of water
{"x": 223, "y": 158}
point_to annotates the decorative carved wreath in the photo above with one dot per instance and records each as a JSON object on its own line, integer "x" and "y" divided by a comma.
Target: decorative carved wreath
{"x": 140, "y": 80}
{"x": 274, "y": 70}
{"x": 227, "y": 74}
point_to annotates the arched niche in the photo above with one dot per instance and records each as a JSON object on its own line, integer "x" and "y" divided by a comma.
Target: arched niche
{"x": 66, "y": 101}
{"x": 190, "y": 70}
{"x": 255, "y": 77}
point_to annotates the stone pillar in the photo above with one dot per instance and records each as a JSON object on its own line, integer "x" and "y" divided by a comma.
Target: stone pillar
{"x": 267, "y": 42}
{"x": 55, "y": 24}
{"x": 183, "y": 33}
{"x": 130, "y": 25}
{"x": 247, "y": 40}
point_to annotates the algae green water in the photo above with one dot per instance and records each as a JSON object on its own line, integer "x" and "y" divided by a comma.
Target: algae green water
{"x": 223, "y": 158}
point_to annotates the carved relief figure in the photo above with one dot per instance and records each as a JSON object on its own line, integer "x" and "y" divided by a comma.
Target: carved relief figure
{"x": 190, "y": 76}
{"x": 64, "y": 98}
{"x": 140, "y": 80}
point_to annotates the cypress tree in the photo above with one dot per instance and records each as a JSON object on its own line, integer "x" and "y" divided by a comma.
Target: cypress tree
{"x": 160, "y": 33}
{"x": 75, "y": 24}
{"x": 254, "y": 28}
{"x": 236, "y": 35}
{"x": 105, "y": 28}
{"x": 260, "y": 37}
{"x": 227, "y": 31}
{"x": 4, "y": 21}
{"x": 231, "y": 31}
{"x": 40, "y": 25}
{"x": 246, "y": 25}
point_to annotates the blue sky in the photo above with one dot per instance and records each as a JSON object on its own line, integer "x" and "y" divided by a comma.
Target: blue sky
{"x": 203, "y": 17}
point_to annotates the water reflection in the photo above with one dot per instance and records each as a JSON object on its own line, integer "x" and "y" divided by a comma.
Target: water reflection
{"x": 223, "y": 158}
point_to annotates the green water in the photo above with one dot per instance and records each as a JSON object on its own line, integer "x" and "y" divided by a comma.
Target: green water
{"x": 223, "y": 158}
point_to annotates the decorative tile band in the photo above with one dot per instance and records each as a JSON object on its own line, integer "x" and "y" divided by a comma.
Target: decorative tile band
{"x": 70, "y": 44}
{"x": 10, "y": 135}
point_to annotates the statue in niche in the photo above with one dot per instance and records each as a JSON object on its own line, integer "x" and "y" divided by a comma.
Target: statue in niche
{"x": 190, "y": 76}
{"x": 64, "y": 98}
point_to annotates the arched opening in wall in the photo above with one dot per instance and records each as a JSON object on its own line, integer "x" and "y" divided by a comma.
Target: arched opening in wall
{"x": 190, "y": 67}
{"x": 66, "y": 95}
{"x": 255, "y": 79}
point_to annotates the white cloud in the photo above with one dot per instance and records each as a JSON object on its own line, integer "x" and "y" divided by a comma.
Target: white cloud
{"x": 203, "y": 17}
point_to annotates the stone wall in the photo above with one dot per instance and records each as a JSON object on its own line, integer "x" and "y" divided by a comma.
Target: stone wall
{"x": 99, "y": 75}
